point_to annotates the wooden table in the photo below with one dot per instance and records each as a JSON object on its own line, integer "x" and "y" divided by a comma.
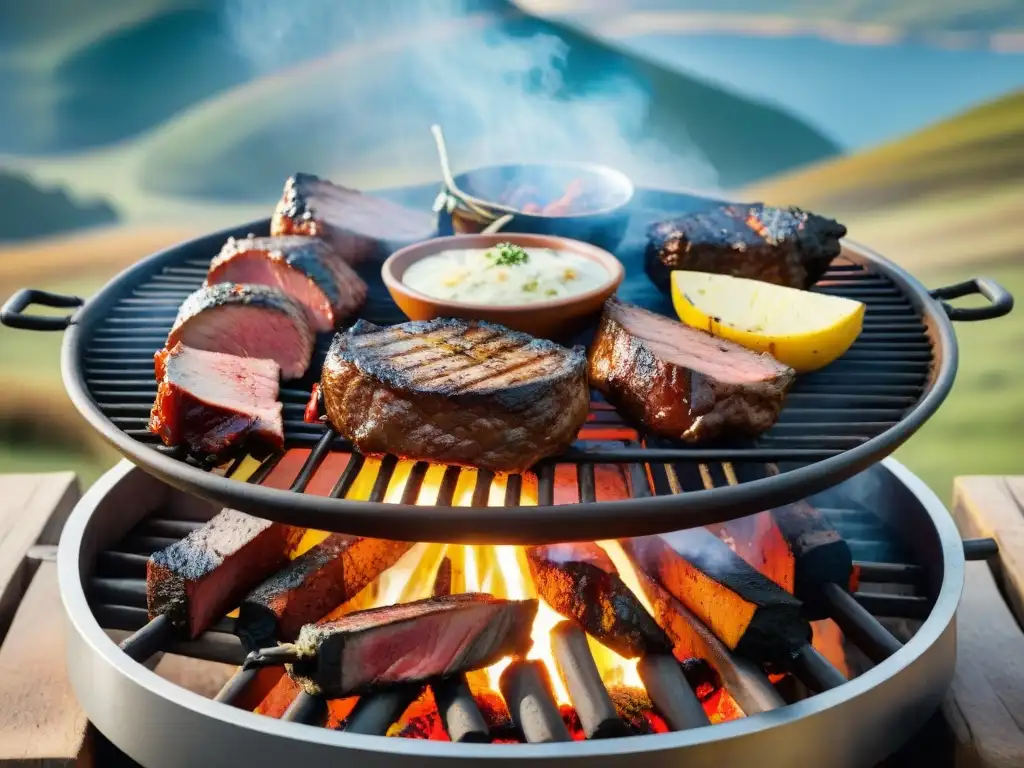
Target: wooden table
{"x": 981, "y": 723}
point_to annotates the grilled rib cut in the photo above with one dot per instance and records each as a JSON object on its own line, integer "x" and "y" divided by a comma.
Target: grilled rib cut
{"x": 680, "y": 382}
{"x": 748, "y": 612}
{"x": 785, "y": 246}
{"x": 455, "y": 391}
{"x": 357, "y": 226}
{"x": 580, "y": 581}
{"x": 305, "y": 269}
{"x": 410, "y": 643}
{"x": 312, "y": 585}
{"x": 199, "y": 579}
{"x": 248, "y": 321}
{"x": 209, "y": 401}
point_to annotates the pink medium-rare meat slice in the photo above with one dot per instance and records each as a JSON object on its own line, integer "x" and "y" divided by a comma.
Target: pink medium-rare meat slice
{"x": 357, "y": 226}
{"x": 682, "y": 382}
{"x": 306, "y": 269}
{"x": 248, "y": 321}
{"x": 199, "y": 579}
{"x": 410, "y": 643}
{"x": 455, "y": 391}
{"x": 210, "y": 401}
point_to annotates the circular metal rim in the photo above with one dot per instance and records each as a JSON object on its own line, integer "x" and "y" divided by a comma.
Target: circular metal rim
{"x": 510, "y": 525}
{"x": 99, "y": 670}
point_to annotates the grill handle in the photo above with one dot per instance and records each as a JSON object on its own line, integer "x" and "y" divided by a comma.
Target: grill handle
{"x": 12, "y": 314}
{"x": 1000, "y": 298}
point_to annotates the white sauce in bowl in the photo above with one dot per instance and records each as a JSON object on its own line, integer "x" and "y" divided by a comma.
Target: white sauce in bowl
{"x": 504, "y": 275}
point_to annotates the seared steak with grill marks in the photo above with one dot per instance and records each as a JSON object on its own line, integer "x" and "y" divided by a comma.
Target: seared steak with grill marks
{"x": 455, "y": 391}
{"x": 199, "y": 579}
{"x": 305, "y": 269}
{"x": 210, "y": 401}
{"x": 357, "y": 226}
{"x": 249, "y": 321}
{"x": 785, "y": 246}
{"x": 312, "y": 585}
{"x": 681, "y": 382}
{"x": 410, "y": 643}
{"x": 580, "y": 581}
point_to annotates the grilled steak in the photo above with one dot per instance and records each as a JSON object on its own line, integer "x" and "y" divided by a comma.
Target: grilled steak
{"x": 748, "y": 612}
{"x": 199, "y": 579}
{"x": 580, "y": 581}
{"x": 681, "y": 382}
{"x": 210, "y": 401}
{"x": 410, "y": 643}
{"x": 357, "y": 226}
{"x": 312, "y": 585}
{"x": 303, "y": 268}
{"x": 785, "y": 246}
{"x": 249, "y": 321}
{"x": 455, "y": 391}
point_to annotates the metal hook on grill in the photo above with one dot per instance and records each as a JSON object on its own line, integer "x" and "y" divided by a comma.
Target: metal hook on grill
{"x": 271, "y": 657}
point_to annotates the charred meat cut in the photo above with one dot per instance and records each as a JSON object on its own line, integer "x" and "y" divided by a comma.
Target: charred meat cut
{"x": 305, "y": 269}
{"x": 209, "y": 401}
{"x": 785, "y": 246}
{"x": 357, "y": 226}
{"x": 199, "y": 579}
{"x": 748, "y": 612}
{"x": 580, "y": 581}
{"x": 681, "y": 382}
{"x": 312, "y": 585}
{"x": 410, "y": 643}
{"x": 455, "y": 391}
{"x": 248, "y": 321}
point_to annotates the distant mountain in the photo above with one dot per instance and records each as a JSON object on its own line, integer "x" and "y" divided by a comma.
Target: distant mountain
{"x": 29, "y": 211}
{"x": 949, "y": 195}
{"x": 504, "y": 86}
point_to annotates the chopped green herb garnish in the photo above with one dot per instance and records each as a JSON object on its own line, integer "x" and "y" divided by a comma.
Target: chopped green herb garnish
{"x": 550, "y": 292}
{"x": 509, "y": 255}
{"x": 530, "y": 287}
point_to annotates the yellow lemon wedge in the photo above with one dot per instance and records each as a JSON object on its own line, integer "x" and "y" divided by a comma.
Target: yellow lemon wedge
{"x": 804, "y": 330}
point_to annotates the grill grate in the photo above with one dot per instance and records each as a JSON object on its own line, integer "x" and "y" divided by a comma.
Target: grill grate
{"x": 117, "y": 594}
{"x": 861, "y": 395}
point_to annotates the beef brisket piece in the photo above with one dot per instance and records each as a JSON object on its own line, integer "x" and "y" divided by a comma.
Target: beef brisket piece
{"x": 785, "y": 246}
{"x": 749, "y": 613}
{"x": 357, "y": 226}
{"x": 249, "y": 321}
{"x": 455, "y": 391}
{"x": 312, "y": 585}
{"x": 199, "y": 579}
{"x": 305, "y": 269}
{"x": 210, "y": 401}
{"x": 410, "y": 643}
{"x": 682, "y": 382}
{"x": 580, "y": 581}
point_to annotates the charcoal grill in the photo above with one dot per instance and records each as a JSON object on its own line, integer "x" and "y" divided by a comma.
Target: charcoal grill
{"x": 836, "y": 422}
{"x": 885, "y": 513}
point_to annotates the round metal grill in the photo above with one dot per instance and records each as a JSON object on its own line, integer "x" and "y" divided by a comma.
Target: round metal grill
{"x": 835, "y": 422}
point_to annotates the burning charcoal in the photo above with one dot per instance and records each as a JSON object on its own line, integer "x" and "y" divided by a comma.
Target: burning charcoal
{"x": 312, "y": 585}
{"x": 594, "y": 708}
{"x": 580, "y": 582}
{"x": 358, "y": 226}
{"x": 199, "y": 579}
{"x": 797, "y": 548}
{"x": 360, "y": 652}
{"x": 636, "y": 710}
{"x": 527, "y": 689}
{"x": 421, "y": 720}
{"x": 751, "y": 614}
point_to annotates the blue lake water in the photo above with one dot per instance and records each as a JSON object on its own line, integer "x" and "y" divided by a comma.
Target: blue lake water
{"x": 858, "y": 95}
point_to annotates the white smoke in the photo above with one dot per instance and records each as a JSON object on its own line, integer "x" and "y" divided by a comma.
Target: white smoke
{"x": 501, "y": 91}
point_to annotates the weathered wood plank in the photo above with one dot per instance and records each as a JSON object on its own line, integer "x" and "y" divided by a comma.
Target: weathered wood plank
{"x": 994, "y": 506}
{"x": 33, "y": 509}
{"x": 985, "y": 704}
{"x": 41, "y": 723}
